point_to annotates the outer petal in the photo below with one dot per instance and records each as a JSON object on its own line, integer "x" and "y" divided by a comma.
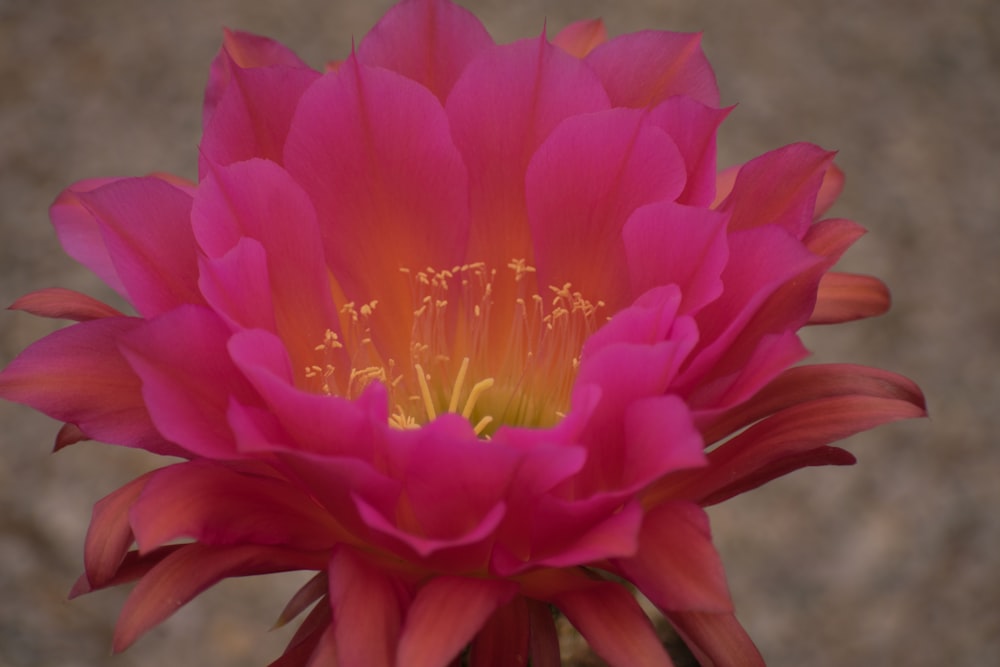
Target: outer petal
{"x": 580, "y": 38}
{"x": 693, "y": 127}
{"x": 64, "y": 303}
{"x": 367, "y": 607}
{"x": 445, "y": 616}
{"x": 216, "y": 505}
{"x": 844, "y": 297}
{"x": 506, "y": 103}
{"x": 504, "y": 640}
{"x": 145, "y": 225}
{"x": 676, "y": 566}
{"x": 583, "y": 184}
{"x": 190, "y": 570}
{"x": 642, "y": 69}
{"x": 429, "y": 41}
{"x": 77, "y": 375}
{"x": 717, "y": 640}
{"x": 354, "y": 143}
{"x": 614, "y": 625}
{"x": 110, "y": 534}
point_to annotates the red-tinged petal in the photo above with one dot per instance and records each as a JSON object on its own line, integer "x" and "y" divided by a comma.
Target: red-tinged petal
{"x": 642, "y": 69}
{"x": 832, "y": 237}
{"x": 80, "y": 234}
{"x": 506, "y": 103}
{"x": 78, "y": 375}
{"x": 666, "y": 243}
{"x": 582, "y": 185}
{"x": 187, "y": 378}
{"x": 580, "y": 38}
{"x": 778, "y": 188}
{"x": 693, "y": 127}
{"x": 145, "y": 225}
{"x": 544, "y": 649}
{"x": 614, "y": 625}
{"x": 716, "y": 640}
{"x": 110, "y": 533}
{"x": 313, "y": 590}
{"x": 445, "y": 615}
{"x": 353, "y": 145}
{"x": 790, "y": 439}
{"x": 252, "y": 115}
{"x": 216, "y": 505}
{"x": 132, "y": 567}
{"x": 242, "y": 50}
{"x": 504, "y": 640}
{"x": 244, "y": 200}
{"x": 676, "y": 565}
{"x": 367, "y": 610}
{"x": 324, "y": 652}
{"x": 61, "y": 303}
{"x": 829, "y": 190}
{"x": 69, "y": 434}
{"x": 190, "y": 570}
{"x": 809, "y": 383}
{"x": 305, "y": 643}
{"x": 429, "y": 41}
{"x": 844, "y": 297}
{"x": 724, "y": 182}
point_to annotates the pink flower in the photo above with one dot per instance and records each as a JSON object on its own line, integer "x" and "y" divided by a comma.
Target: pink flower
{"x": 454, "y": 325}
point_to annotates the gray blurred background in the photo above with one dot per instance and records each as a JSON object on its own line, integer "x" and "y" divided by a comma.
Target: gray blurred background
{"x": 892, "y": 562}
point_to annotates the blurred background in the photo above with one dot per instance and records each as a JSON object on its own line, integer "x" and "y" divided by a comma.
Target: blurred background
{"x": 892, "y": 562}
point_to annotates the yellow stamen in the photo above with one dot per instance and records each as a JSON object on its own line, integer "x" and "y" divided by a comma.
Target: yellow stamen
{"x": 425, "y": 393}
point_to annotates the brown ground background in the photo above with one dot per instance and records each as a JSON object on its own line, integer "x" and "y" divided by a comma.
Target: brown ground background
{"x": 893, "y": 562}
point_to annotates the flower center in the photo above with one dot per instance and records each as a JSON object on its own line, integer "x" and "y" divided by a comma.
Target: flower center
{"x": 483, "y": 344}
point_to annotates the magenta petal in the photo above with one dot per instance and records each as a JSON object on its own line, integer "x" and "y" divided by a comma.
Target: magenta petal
{"x": 666, "y": 243}
{"x": 693, "y": 127}
{"x": 583, "y": 183}
{"x": 367, "y": 607}
{"x": 614, "y": 625}
{"x": 64, "y": 303}
{"x": 445, "y": 615}
{"x": 506, "y": 103}
{"x": 78, "y": 375}
{"x": 353, "y": 146}
{"x": 145, "y": 226}
{"x": 243, "y": 50}
{"x": 429, "y": 41}
{"x": 779, "y": 188}
{"x": 676, "y": 565}
{"x": 642, "y": 69}
{"x": 216, "y": 505}
{"x": 190, "y": 570}
{"x": 237, "y": 286}
{"x": 187, "y": 382}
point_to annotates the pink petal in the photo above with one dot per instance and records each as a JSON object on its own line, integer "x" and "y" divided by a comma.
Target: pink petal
{"x": 244, "y": 200}
{"x": 132, "y": 567}
{"x": 831, "y": 238}
{"x": 778, "y": 188}
{"x": 614, "y": 625}
{"x": 716, "y": 640}
{"x": 832, "y": 186}
{"x": 80, "y": 233}
{"x": 78, "y": 375}
{"x": 445, "y": 615}
{"x": 582, "y": 185}
{"x": 64, "y": 303}
{"x": 693, "y": 127}
{"x": 676, "y": 565}
{"x": 313, "y": 641}
{"x": 252, "y": 114}
{"x": 237, "y": 286}
{"x": 110, "y": 533}
{"x": 215, "y": 505}
{"x": 353, "y": 145}
{"x": 642, "y": 69}
{"x": 844, "y": 297}
{"x": 429, "y": 41}
{"x": 580, "y": 38}
{"x": 503, "y": 107}
{"x": 666, "y": 243}
{"x": 190, "y": 570}
{"x": 367, "y": 607}
{"x": 242, "y": 50}
{"x": 186, "y": 383}
{"x": 145, "y": 226}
